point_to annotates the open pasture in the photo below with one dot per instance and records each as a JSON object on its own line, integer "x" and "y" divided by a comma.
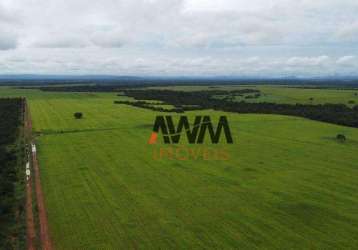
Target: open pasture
{"x": 287, "y": 185}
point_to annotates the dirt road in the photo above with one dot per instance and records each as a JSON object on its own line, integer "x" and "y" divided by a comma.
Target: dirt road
{"x": 30, "y": 223}
{"x": 44, "y": 231}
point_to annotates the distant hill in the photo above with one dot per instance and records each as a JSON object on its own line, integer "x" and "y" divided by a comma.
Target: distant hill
{"x": 35, "y": 79}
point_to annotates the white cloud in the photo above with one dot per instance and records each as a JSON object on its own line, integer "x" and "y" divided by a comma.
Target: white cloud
{"x": 179, "y": 36}
{"x": 347, "y": 61}
{"x": 111, "y": 38}
{"x": 308, "y": 61}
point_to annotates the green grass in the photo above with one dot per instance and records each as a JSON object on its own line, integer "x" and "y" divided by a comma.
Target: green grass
{"x": 288, "y": 184}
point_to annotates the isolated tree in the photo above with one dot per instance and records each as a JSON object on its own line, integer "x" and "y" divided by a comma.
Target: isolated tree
{"x": 341, "y": 138}
{"x": 78, "y": 115}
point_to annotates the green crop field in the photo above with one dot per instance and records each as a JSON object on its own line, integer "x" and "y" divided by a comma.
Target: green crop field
{"x": 287, "y": 185}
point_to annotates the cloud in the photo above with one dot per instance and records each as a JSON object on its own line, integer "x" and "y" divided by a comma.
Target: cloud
{"x": 8, "y": 41}
{"x": 180, "y": 23}
{"x": 347, "y": 61}
{"x": 235, "y": 37}
{"x": 348, "y": 32}
{"x": 59, "y": 41}
{"x": 111, "y": 38}
{"x": 308, "y": 61}
{"x": 8, "y": 27}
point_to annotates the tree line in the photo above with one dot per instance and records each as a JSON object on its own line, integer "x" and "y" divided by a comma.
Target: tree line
{"x": 333, "y": 113}
{"x": 11, "y": 174}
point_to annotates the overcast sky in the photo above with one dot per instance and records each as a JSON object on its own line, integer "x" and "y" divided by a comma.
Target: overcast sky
{"x": 180, "y": 37}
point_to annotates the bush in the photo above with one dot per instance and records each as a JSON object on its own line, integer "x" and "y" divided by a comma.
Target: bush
{"x": 341, "y": 138}
{"x": 78, "y": 115}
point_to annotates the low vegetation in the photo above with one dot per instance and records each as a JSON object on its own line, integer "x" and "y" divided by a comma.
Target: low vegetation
{"x": 78, "y": 115}
{"x": 341, "y": 138}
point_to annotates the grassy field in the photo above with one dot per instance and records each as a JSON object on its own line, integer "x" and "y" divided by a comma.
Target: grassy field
{"x": 288, "y": 184}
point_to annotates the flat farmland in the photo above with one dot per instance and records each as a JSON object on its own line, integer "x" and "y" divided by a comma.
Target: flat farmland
{"x": 287, "y": 185}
